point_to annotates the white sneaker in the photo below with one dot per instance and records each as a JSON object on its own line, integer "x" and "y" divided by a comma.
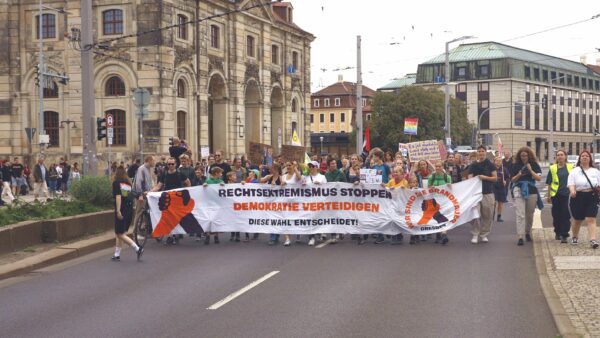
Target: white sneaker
{"x": 484, "y": 239}
{"x": 311, "y": 242}
{"x": 334, "y": 240}
{"x": 287, "y": 242}
{"x": 475, "y": 239}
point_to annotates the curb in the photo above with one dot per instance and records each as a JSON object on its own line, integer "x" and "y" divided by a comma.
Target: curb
{"x": 561, "y": 318}
{"x": 59, "y": 254}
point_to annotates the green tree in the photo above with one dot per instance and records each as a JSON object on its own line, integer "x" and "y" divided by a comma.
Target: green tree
{"x": 390, "y": 109}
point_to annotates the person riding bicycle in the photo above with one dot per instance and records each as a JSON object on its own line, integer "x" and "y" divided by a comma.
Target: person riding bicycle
{"x": 171, "y": 179}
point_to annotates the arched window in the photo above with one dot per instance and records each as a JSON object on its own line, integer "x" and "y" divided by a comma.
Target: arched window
{"x": 180, "y": 88}
{"x": 119, "y": 126}
{"x": 182, "y": 27}
{"x": 112, "y": 22}
{"x": 181, "y": 122}
{"x": 115, "y": 87}
{"x": 50, "y": 93}
{"x": 51, "y": 127}
{"x": 294, "y": 106}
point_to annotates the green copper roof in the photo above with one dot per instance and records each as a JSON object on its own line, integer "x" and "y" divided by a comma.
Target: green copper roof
{"x": 495, "y": 50}
{"x": 407, "y": 80}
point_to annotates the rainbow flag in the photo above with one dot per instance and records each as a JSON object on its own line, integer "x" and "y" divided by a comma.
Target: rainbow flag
{"x": 411, "y": 124}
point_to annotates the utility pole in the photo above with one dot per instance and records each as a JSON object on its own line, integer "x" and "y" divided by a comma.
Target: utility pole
{"x": 359, "y": 108}
{"x": 550, "y": 106}
{"x": 41, "y": 79}
{"x": 90, "y": 166}
{"x": 447, "y": 135}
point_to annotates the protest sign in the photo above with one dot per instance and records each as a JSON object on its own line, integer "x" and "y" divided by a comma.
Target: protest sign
{"x": 403, "y": 148}
{"x": 257, "y": 152}
{"x": 411, "y": 124}
{"x": 327, "y": 208}
{"x": 293, "y": 153}
{"x": 424, "y": 150}
{"x": 370, "y": 176}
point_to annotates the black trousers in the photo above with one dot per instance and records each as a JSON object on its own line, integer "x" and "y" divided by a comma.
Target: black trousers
{"x": 561, "y": 219}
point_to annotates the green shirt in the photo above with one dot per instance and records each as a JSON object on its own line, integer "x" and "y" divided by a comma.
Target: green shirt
{"x": 335, "y": 176}
{"x": 211, "y": 180}
{"x": 437, "y": 180}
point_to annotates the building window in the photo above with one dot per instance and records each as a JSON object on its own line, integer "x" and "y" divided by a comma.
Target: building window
{"x": 115, "y": 87}
{"x": 337, "y": 102}
{"x": 48, "y": 26}
{"x": 51, "y": 93}
{"x": 364, "y": 102}
{"x": 343, "y": 117}
{"x": 316, "y": 102}
{"x": 51, "y": 127}
{"x": 181, "y": 123}
{"x": 545, "y": 75}
{"x": 295, "y": 60}
{"x": 536, "y": 74}
{"x": 294, "y": 106}
{"x": 562, "y": 121}
{"x": 322, "y": 118}
{"x": 275, "y": 54}
{"x": 570, "y": 122}
{"x": 331, "y": 117}
{"x": 536, "y": 110}
{"x": 326, "y": 103}
{"x": 214, "y": 36}
{"x": 250, "y": 46}
{"x": 368, "y": 117}
{"x": 112, "y": 22}
{"x": 312, "y": 118}
{"x": 484, "y": 71}
{"x": 483, "y": 86}
{"x": 180, "y": 88}
{"x": 527, "y": 71}
{"x": 461, "y": 88}
{"x": 119, "y": 126}
{"x": 182, "y": 27}
{"x": 461, "y": 73}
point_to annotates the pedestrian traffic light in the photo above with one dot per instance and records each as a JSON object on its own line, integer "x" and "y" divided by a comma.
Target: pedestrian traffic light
{"x": 37, "y": 75}
{"x": 101, "y": 128}
{"x": 544, "y": 103}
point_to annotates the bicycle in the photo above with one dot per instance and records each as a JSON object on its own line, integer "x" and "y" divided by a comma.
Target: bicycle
{"x": 143, "y": 226}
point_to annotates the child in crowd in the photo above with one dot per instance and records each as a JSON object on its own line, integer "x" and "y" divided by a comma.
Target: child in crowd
{"x": 438, "y": 178}
{"x": 231, "y": 179}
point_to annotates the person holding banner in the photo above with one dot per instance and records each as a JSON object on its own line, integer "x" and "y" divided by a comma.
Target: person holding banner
{"x": 292, "y": 177}
{"x": 486, "y": 171}
{"x": 313, "y": 177}
{"x": 439, "y": 178}
{"x": 558, "y": 195}
{"x": 216, "y": 174}
{"x": 274, "y": 178}
{"x": 525, "y": 172}
{"x": 383, "y": 170}
{"x": 334, "y": 174}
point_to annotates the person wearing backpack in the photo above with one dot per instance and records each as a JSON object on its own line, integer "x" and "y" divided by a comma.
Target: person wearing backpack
{"x": 486, "y": 171}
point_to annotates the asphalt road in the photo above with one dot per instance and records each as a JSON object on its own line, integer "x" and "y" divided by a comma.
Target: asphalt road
{"x": 341, "y": 290}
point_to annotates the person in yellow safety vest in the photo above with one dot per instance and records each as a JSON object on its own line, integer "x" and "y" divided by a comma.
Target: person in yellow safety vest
{"x": 558, "y": 195}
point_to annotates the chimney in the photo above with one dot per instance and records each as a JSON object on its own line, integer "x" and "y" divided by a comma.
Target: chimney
{"x": 583, "y": 59}
{"x": 341, "y": 77}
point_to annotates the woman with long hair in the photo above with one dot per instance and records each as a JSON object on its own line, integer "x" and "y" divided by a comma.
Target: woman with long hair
{"x": 558, "y": 195}
{"x": 525, "y": 172}
{"x": 121, "y": 188}
{"x": 582, "y": 182}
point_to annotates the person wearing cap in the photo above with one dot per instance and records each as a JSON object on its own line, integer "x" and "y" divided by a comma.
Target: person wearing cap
{"x": 313, "y": 177}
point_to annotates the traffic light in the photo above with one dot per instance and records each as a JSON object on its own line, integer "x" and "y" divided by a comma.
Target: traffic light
{"x": 544, "y": 103}
{"x": 100, "y": 128}
{"x": 37, "y": 75}
{"x": 170, "y": 141}
{"x": 64, "y": 79}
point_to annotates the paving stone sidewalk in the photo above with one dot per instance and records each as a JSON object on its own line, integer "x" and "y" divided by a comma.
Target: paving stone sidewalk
{"x": 574, "y": 272}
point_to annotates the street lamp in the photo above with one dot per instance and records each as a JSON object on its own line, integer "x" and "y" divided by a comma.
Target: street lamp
{"x": 551, "y": 115}
{"x": 321, "y": 138}
{"x": 447, "y": 89}
{"x": 485, "y": 111}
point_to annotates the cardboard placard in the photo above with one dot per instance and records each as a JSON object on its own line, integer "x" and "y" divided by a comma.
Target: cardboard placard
{"x": 293, "y": 153}
{"x": 258, "y": 151}
{"x": 424, "y": 150}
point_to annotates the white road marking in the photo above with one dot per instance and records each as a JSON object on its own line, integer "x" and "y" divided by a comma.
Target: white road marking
{"x": 323, "y": 244}
{"x": 241, "y": 291}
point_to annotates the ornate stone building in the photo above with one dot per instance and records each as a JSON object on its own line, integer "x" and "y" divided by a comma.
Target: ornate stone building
{"x": 227, "y": 81}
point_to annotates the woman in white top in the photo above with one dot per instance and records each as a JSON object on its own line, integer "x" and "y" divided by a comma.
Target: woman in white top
{"x": 292, "y": 177}
{"x": 584, "y": 203}
{"x": 313, "y": 177}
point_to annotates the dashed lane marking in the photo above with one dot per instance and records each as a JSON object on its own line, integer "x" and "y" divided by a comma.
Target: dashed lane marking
{"x": 241, "y": 291}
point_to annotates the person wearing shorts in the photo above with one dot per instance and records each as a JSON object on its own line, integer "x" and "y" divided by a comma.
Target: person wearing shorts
{"x": 583, "y": 203}
{"x": 121, "y": 189}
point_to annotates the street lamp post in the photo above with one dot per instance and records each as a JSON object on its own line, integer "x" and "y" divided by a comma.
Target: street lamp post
{"x": 321, "y": 138}
{"x": 447, "y": 88}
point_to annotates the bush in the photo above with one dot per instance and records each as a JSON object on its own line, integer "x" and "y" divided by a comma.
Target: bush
{"x": 21, "y": 211}
{"x": 96, "y": 190}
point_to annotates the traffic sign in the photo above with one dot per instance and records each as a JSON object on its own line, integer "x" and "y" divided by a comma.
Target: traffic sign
{"x": 141, "y": 97}
{"x": 110, "y": 141}
{"x": 109, "y": 121}
{"x": 110, "y": 132}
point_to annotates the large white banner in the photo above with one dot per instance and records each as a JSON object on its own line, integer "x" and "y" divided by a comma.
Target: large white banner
{"x": 326, "y": 208}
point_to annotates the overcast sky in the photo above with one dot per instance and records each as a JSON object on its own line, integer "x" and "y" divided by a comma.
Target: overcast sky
{"x": 420, "y": 30}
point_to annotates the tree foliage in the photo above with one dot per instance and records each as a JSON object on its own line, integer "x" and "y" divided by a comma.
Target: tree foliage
{"x": 390, "y": 109}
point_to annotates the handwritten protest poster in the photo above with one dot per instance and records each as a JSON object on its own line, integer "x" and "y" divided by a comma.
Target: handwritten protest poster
{"x": 370, "y": 176}
{"x": 403, "y": 148}
{"x": 257, "y": 152}
{"x": 424, "y": 150}
{"x": 293, "y": 153}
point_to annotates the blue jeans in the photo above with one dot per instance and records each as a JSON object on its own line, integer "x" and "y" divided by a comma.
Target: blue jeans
{"x": 275, "y": 237}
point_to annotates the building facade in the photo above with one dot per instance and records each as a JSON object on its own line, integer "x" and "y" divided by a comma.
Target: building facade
{"x": 515, "y": 93}
{"x": 333, "y": 116}
{"x": 221, "y": 83}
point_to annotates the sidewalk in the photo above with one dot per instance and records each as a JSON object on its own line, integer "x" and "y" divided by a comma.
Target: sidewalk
{"x": 573, "y": 274}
